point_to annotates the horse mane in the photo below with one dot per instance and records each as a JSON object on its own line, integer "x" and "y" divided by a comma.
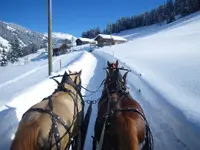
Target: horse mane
{"x": 26, "y": 139}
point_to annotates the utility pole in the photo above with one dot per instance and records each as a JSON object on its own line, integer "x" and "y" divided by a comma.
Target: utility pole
{"x": 50, "y": 35}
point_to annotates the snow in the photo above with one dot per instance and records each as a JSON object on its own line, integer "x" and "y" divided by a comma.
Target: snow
{"x": 10, "y": 28}
{"x": 27, "y": 31}
{"x": 176, "y": 51}
{"x": 14, "y": 76}
{"x": 60, "y": 35}
{"x": 114, "y": 37}
{"x": 164, "y": 63}
{"x": 29, "y": 98}
{"x": 4, "y": 42}
{"x": 32, "y": 95}
{"x": 169, "y": 61}
{"x": 80, "y": 47}
{"x": 86, "y": 40}
{"x": 21, "y": 43}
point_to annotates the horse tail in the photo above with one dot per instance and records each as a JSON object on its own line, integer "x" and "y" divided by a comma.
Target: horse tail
{"x": 26, "y": 137}
{"x": 149, "y": 144}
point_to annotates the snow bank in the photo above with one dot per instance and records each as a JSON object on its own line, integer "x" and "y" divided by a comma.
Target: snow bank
{"x": 32, "y": 95}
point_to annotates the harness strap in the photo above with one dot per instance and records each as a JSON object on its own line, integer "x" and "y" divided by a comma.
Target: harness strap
{"x": 130, "y": 109}
{"x": 141, "y": 114}
{"x": 54, "y": 128}
{"x": 102, "y": 136}
{"x": 56, "y": 133}
{"x": 53, "y": 115}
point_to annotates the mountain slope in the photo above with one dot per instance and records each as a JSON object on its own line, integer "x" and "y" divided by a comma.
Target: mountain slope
{"x": 9, "y": 32}
{"x": 60, "y": 38}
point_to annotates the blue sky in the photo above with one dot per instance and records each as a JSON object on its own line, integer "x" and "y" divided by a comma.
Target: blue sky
{"x": 71, "y": 16}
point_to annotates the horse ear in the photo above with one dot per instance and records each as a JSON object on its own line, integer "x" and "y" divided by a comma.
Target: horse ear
{"x": 64, "y": 78}
{"x": 108, "y": 63}
{"x": 116, "y": 64}
{"x": 124, "y": 77}
{"x": 107, "y": 73}
{"x": 69, "y": 71}
{"x": 80, "y": 72}
{"x": 65, "y": 74}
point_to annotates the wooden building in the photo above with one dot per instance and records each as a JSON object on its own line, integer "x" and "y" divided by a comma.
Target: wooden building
{"x": 64, "y": 48}
{"x": 105, "y": 40}
{"x": 82, "y": 41}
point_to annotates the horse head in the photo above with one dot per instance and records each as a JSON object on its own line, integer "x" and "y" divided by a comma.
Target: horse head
{"x": 72, "y": 79}
{"x": 112, "y": 65}
{"x": 114, "y": 79}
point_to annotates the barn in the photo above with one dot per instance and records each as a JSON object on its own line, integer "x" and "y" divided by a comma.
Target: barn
{"x": 64, "y": 48}
{"x": 82, "y": 41}
{"x": 104, "y": 40}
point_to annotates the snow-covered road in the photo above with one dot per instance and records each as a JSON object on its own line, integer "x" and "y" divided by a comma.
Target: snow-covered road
{"x": 168, "y": 124}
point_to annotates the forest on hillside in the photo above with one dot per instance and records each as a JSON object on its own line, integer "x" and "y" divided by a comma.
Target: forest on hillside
{"x": 164, "y": 13}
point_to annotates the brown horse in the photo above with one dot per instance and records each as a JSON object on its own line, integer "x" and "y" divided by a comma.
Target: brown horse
{"x": 52, "y": 123}
{"x": 120, "y": 123}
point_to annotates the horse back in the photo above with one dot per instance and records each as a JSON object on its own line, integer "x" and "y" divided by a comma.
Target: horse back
{"x": 123, "y": 125}
{"x": 63, "y": 106}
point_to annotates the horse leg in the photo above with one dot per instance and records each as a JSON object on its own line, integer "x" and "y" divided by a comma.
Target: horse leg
{"x": 79, "y": 141}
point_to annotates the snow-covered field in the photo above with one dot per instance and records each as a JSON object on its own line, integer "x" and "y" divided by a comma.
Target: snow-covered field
{"x": 168, "y": 59}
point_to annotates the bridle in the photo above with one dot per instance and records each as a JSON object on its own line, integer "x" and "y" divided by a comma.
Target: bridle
{"x": 54, "y": 117}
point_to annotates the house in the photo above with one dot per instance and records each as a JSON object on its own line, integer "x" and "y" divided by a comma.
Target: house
{"x": 82, "y": 41}
{"x": 64, "y": 48}
{"x": 103, "y": 40}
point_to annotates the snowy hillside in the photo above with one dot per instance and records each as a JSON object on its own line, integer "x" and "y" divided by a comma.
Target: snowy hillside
{"x": 9, "y": 32}
{"x": 4, "y": 44}
{"x": 149, "y": 30}
{"x": 165, "y": 66}
{"x": 59, "y": 38}
{"x": 60, "y": 35}
{"x": 168, "y": 58}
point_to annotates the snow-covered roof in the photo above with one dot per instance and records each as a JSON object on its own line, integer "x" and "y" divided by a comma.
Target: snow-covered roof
{"x": 86, "y": 40}
{"x": 114, "y": 37}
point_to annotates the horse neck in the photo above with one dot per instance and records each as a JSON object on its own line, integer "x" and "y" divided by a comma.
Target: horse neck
{"x": 113, "y": 103}
{"x": 70, "y": 87}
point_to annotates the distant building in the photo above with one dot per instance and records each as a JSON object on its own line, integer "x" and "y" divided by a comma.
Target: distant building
{"x": 104, "y": 40}
{"x": 82, "y": 41}
{"x": 64, "y": 48}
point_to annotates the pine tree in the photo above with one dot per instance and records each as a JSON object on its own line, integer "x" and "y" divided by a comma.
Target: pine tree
{"x": 84, "y": 34}
{"x": 165, "y": 12}
{"x": 15, "y": 51}
{"x": 161, "y": 14}
{"x": 196, "y": 5}
{"x": 177, "y": 7}
{"x": 192, "y": 6}
{"x": 184, "y": 8}
{"x": 3, "y": 60}
{"x": 170, "y": 11}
